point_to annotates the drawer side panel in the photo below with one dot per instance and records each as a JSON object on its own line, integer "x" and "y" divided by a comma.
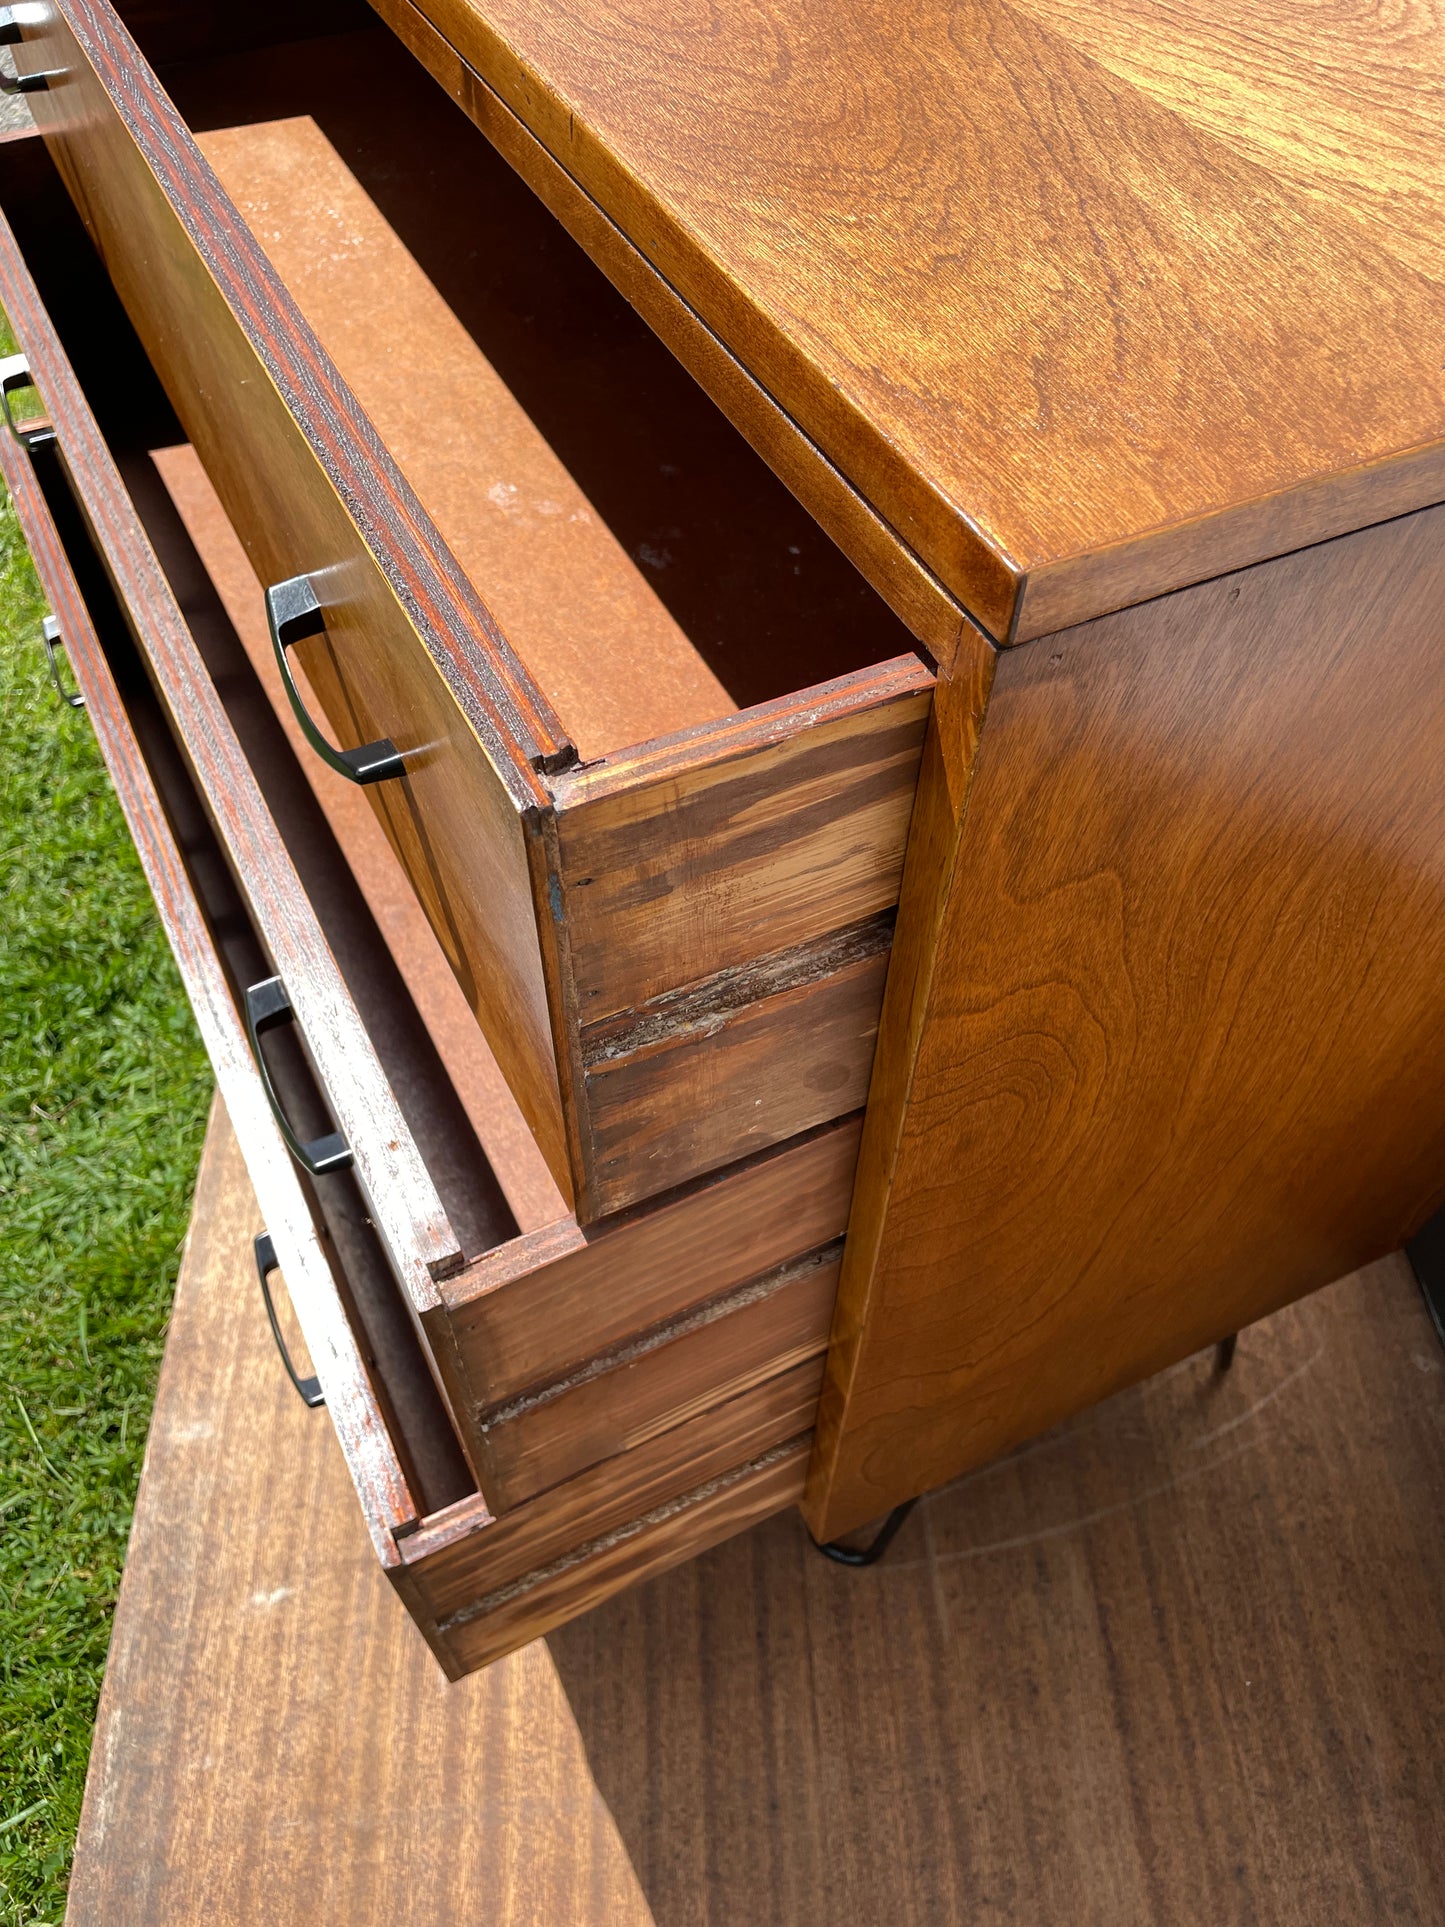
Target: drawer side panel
{"x": 412, "y": 653}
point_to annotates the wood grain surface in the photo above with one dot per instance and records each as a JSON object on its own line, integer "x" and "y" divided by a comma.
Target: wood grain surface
{"x": 592, "y": 632}
{"x": 761, "y": 1330}
{"x": 711, "y": 1472}
{"x": 542, "y": 1305}
{"x": 490, "y": 1107}
{"x": 454, "y": 1562}
{"x": 1176, "y": 1663}
{"x": 914, "y": 593}
{"x": 408, "y": 1211}
{"x": 728, "y": 840}
{"x": 231, "y": 1780}
{"x": 413, "y": 652}
{"x": 809, "y": 814}
{"x": 1161, "y": 1049}
{"x": 370, "y": 1457}
{"x": 719, "y": 846}
{"x": 1073, "y": 338}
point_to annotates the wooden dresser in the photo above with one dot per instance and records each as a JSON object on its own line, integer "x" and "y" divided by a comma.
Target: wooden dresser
{"x": 781, "y": 675}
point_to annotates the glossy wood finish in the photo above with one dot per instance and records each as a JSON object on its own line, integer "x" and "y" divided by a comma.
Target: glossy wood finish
{"x": 413, "y": 652}
{"x": 753, "y": 1019}
{"x": 1163, "y": 1631}
{"x": 1074, "y": 346}
{"x": 911, "y": 590}
{"x": 1161, "y": 1043}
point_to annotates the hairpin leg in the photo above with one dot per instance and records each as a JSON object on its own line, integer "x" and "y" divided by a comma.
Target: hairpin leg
{"x": 1426, "y": 1252}
{"x": 870, "y": 1554}
{"x": 1224, "y": 1352}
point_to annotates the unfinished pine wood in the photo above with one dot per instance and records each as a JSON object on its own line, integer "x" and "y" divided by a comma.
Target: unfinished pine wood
{"x": 756, "y": 1332}
{"x": 1161, "y": 1043}
{"x": 230, "y": 1780}
{"x": 542, "y": 1306}
{"x": 590, "y": 629}
{"x": 306, "y": 481}
{"x": 502, "y": 1130}
{"x": 1070, "y": 334}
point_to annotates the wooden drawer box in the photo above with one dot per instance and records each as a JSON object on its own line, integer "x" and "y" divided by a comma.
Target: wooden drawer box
{"x": 671, "y": 914}
{"x": 624, "y": 1396}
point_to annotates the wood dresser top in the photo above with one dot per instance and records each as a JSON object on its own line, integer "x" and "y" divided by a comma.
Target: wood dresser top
{"x": 1089, "y": 298}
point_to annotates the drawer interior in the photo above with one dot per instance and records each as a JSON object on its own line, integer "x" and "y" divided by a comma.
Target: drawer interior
{"x": 478, "y": 1585}
{"x": 415, "y": 1415}
{"x": 133, "y": 414}
{"x": 646, "y": 564}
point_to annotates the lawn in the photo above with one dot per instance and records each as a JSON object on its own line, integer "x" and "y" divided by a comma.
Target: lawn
{"x": 103, "y": 1096}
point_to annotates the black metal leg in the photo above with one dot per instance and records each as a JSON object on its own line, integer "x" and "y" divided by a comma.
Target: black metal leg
{"x": 1224, "y": 1352}
{"x": 870, "y": 1554}
{"x": 1426, "y": 1252}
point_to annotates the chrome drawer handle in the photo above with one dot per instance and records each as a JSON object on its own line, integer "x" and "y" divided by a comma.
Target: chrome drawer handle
{"x": 13, "y": 20}
{"x": 267, "y": 1262}
{"x": 267, "y": 1006}
{"x": 15, "y": 373}
{"x": 294, "y": 613}
{"x": 50, "y": 635}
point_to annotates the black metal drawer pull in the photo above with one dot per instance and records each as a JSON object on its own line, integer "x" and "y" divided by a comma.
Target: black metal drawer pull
{"x": 267, "y": 1262}
{"x": 50, "y": 635}
{"x": 268, "y": 1006}
{"x": 294, "y": 613}
{"x": 15, "y": 374}
{"x": 13, "y": 21}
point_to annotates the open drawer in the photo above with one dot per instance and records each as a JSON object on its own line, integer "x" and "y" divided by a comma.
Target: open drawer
{"x": 710, "y": 1426}
{"x": 552, "y": 1350}
{"x": 643, "y": 740}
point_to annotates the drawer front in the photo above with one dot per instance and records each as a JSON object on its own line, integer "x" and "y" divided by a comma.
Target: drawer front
{"x": 408, "y": 1213}
{"x": 409, "y": 652}
{"x": 762, "y": 1331}
{"x": 677, "y": 955}
{"x": 541, "y": 1309}
{"x": 476, "y": 1586}
{"x": 726, "y": 909}
{"x": 375, "y": 1468}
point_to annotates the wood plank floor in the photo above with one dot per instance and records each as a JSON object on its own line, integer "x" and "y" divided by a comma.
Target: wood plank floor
{"x": 1182, "y": 1661}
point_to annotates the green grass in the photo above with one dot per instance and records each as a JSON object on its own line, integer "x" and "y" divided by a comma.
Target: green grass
{"x": 103, "y": 1094}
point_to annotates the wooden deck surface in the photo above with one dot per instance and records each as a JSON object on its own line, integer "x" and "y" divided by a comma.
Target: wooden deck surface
{"x": 1180, "y": 1661}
